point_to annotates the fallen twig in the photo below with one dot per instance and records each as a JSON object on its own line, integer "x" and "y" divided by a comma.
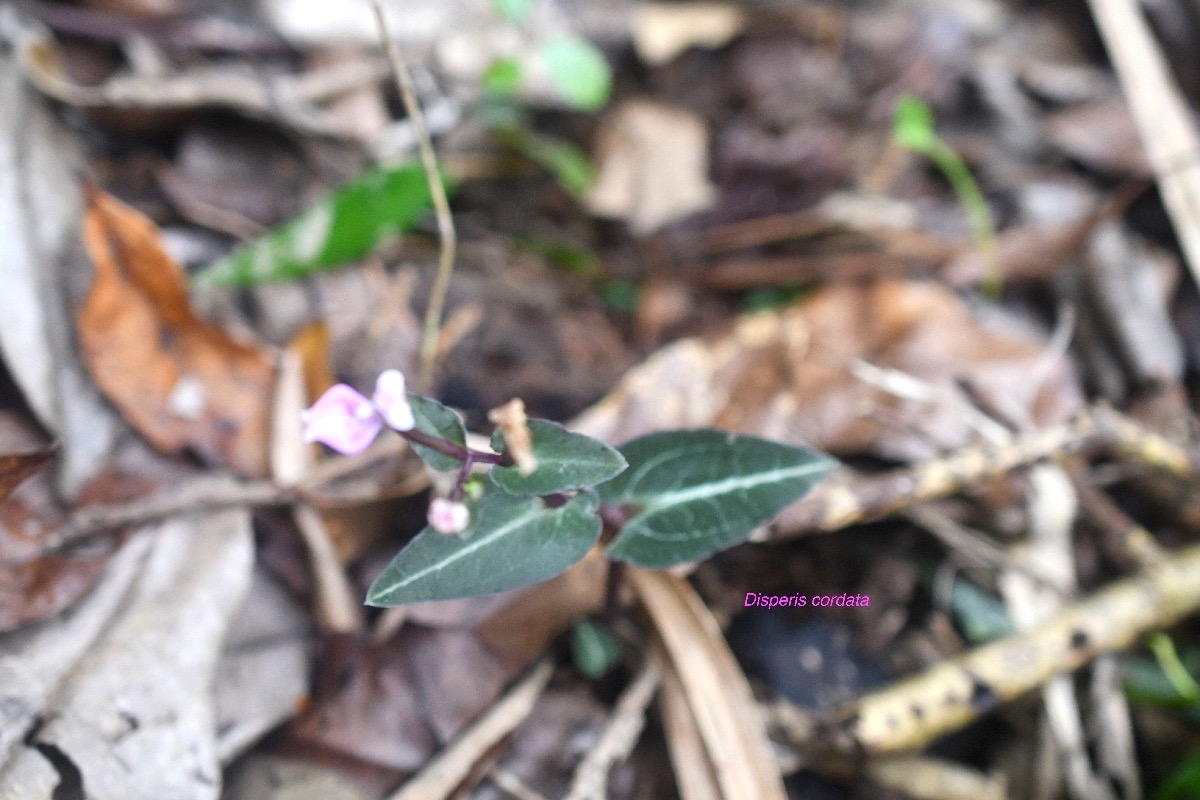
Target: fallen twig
{"x": 620, "y": 735}
{"x": 450, "y": 767}
{"x": 914, "y": 712}
{"x": 837, "y": 503}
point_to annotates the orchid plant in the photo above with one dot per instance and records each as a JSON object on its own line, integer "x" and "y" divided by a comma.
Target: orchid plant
{"x": 547, "y": 493}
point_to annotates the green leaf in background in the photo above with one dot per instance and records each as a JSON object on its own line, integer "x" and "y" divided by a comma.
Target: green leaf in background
{"x": 502, "y": 78}
{"x": 382, "y": 203}
{"x": 514, "y": 10}
{"x": 568, "y": 164}
{"x": 620, "y": 295}
{"x": 593, "y": 649}
{"x": 701, "y": 491}
{"x": 566, "y": 461}
{"x": 579, "y": 71}
{"x": 511, "y": 542}
{"x": 1182, "y": 784}
{"x": 982, "y": 616}
{"x": 434, "y": 418}
{"x": 912, "y": 124}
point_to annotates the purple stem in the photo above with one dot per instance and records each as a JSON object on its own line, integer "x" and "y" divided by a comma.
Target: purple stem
{"x": 449, "y": 448}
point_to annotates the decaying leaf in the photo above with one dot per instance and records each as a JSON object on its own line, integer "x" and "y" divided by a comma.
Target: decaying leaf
{"x": 652, "y": 166}
{"x": 40, "y": 209}
{"x": 182, "y": 383}
{"x": 123, "y": 684}
{"x": 853, "y": 369}
{"x": 16, "y": 467}
{"x": 662, "y": 31}
{"x": 33, "y": 585}
{"x": 292, "y": 99}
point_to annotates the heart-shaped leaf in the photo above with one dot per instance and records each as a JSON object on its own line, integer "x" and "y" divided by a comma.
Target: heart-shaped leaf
{"x": 701, "y": 491}
{"x": 566, "y": 461}
{"x": 434, "y": 418}
{"x": 512, "y": 542}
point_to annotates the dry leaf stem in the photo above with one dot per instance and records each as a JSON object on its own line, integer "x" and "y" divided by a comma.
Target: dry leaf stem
{"x": 441, "y": 206}
{"x": 836, "y": 504}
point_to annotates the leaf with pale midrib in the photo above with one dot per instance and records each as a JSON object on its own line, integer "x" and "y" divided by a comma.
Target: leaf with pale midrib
{"x": 512, "y": 542}
{"x": 701, "y": 491}
{"x": 565, "y": 461}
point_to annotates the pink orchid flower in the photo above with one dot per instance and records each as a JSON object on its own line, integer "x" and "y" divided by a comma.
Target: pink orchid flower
{"x": 348, "y": 422}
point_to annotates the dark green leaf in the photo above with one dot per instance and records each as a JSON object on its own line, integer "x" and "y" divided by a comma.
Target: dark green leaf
{"x": 345, "y": 226}
{"x": 1183, "y": 783}
{"x": 593, "y": 649}
{"x": 566, "y": 461}
{"x": 697, "y": 492}
{"x": 579, "y": 71}
{"x": 434, "y": 418}
{"x": 512, "y": 542}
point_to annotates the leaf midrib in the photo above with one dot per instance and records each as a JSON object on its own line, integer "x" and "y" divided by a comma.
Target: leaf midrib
{"x": 732, "y": 484}
{"x": 472, "y": 547}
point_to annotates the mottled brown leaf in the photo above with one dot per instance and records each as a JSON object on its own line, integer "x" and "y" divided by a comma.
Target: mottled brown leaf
{"x": 181, "y": 382}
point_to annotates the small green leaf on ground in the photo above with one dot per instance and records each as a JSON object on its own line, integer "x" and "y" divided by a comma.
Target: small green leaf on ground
{"x": 579, "y": 71}
{"x": 593, "y": 649}
{"x": 382, "y": 203}
{"x": 434, "y": 418}
{"x": 502, "y": 78}
{"x": 569, "y": 165}
{"x": 514, "y": 10}
{"x": 566, "y": 461}
{"x": 511, "y": 542}
{"x": 701, "y": 491}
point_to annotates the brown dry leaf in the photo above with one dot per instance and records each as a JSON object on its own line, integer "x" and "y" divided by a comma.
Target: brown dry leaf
{"x": 1101, "y": 136}
{"x": 181, "y": 382}
{"x": 139, "y": 8}
{"x": 652, "y": 166}
{"x": 853, "y": 369}
{"x": 16, "y": 467}
{"x": 395, "y": 703}
{"x": 34, "y": 586}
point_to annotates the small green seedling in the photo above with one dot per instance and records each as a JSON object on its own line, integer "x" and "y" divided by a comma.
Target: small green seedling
{"x": 912, "y": 129}
{"x": 580, "y": 74}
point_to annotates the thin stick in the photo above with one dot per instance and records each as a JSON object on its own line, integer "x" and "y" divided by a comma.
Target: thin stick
{"x": 449, "y": 768}
{"x": 620, "y": 734}
{"x": 912, "y": 713}
{"x": 445, "y": 223}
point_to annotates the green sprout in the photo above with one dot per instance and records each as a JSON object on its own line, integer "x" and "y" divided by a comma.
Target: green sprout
{"x": 912, "y": 129}
{"x": 1176, "y": 673}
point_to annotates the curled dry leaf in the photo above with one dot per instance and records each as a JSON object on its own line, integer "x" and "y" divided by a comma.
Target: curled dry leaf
{"x": 514, "y": 426}
{"x": 182, "y": 383}
{"x": 853, "y": 369}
